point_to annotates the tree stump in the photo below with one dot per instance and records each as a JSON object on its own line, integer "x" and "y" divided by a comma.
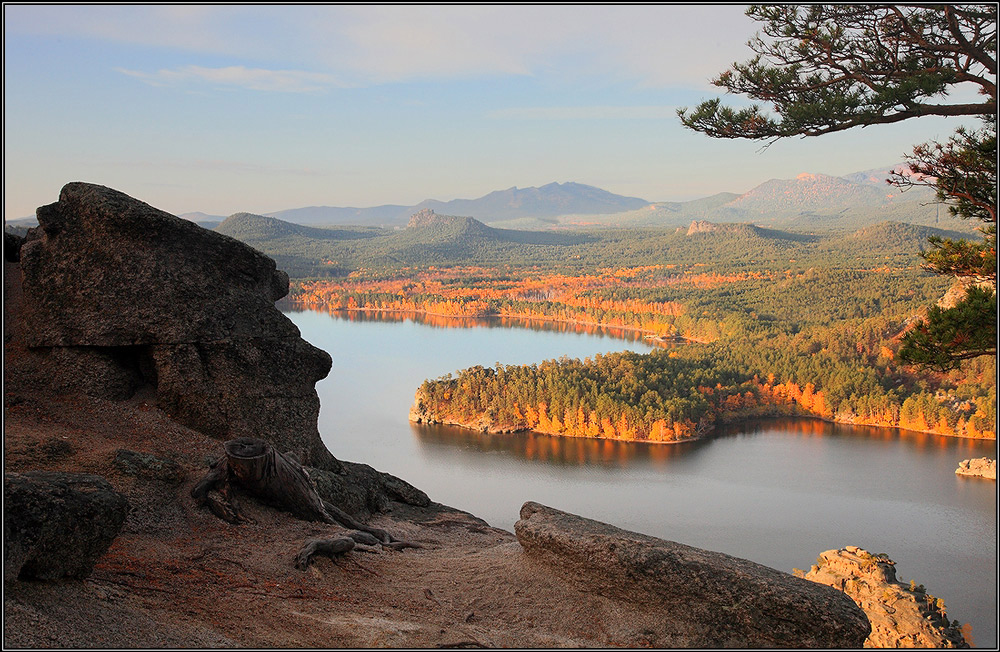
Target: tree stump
{"x": 274, "y": 478}
{"x": 255, "y": 467}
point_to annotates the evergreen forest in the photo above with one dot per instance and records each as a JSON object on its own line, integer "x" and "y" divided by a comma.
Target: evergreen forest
{"x": 753, "y": 321}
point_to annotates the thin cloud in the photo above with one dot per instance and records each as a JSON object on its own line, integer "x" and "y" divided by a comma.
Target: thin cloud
{"x": 254, "y": 79}
{"x": 652, "y": 46}
{"x": 584, "y": 113}
{"x": 219, "y": 165}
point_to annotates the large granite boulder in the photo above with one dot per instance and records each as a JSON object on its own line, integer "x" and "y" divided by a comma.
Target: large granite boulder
{"x": 118, "y": 294}
{"x": 361, "y": 490}
{"x": 708, "y": 599}
{"x": 57, "y": 525}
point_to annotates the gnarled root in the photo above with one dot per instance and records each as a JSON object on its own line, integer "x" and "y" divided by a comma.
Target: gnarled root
{"x": 325, "y": 547}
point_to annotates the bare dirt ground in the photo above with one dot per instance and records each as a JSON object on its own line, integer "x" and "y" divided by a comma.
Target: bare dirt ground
{"x": 177, "y": 576}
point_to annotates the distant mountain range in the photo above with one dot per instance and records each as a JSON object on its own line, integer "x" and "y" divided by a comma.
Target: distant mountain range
{"x": 807, "y": 201}
{"x": 432, "y": 239}
{"x": 548, "y": 201}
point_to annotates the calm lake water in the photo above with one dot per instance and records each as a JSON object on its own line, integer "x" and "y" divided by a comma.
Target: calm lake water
{"x": 777, "y": 492}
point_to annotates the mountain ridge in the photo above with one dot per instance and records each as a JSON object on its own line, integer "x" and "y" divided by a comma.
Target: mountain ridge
{"x": 551, "y": 200}
{"x": 806, "y": 201}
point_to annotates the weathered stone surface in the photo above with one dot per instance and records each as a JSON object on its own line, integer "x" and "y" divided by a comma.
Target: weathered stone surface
{"x": 709, "y": 599}
{"x": 105, "y": 269}
{"x": 12, "y": 247}
{"x": 148, "y": 466}
{"x": 116, "y": 294}
{"x": 360, "y": 490}
{"x": 980, "y": 467}
{"x": 900, "y": 616}
{"x": 58, "y": 524}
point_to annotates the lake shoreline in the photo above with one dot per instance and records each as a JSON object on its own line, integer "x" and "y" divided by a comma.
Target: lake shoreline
{"x": 713, "y": 432}
{"x": 649, "y": 337}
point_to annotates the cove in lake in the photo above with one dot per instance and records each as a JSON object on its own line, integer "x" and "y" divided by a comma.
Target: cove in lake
{"x": 777, "y": 492}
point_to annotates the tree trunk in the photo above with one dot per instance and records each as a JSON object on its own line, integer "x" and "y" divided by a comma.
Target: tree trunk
{"x": 274, "y": 478}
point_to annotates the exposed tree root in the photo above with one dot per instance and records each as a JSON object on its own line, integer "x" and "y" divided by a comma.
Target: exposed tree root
{"x": 254, "y": 467}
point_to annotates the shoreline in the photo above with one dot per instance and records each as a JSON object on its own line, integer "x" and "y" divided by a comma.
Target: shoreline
{"x": 650, "y": 335}
{"x": 647, "y": 335}
{"x": 699, "y": 437}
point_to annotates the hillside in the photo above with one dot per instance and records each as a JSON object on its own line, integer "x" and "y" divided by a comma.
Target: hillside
{"x": 434, "y": 239}
{"x": 247, "y": 227}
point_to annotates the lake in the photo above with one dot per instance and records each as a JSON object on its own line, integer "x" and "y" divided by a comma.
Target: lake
{"x": 778, "y": 492}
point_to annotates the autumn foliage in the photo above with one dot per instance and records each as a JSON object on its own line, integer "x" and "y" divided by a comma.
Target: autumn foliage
{"x": 819, "y": 343}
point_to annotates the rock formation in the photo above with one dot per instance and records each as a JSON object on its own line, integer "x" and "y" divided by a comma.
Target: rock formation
{"x": 56, "y": 525}
{"x": 980, "y": 467}
{"x": 900, "y": 616}
{"x": 704, "y": 226}
{"x": 422, "y": 218}
{"x": 719, "y": 601}
{"x": 118, "y": 295}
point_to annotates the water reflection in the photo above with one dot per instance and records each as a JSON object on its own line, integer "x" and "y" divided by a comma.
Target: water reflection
{"x": 579, "y": 451}
{"x": 562, "y": 451}
{"x": 449, "y": 321}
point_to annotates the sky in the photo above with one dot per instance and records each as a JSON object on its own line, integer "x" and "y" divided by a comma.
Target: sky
{"x": 261, "y": 108}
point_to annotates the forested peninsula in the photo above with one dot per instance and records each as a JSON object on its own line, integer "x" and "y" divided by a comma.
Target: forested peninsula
{"x": 776, "y": 324}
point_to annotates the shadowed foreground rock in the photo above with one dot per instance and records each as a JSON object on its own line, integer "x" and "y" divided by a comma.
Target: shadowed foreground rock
{"x": 118, "y": 295}
{"x": 57, "y": 525}
{"x": 709, "y": 599}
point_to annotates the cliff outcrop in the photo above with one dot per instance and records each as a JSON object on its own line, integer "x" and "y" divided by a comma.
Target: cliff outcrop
{"x": 900, "y": 615}
{"x": 118, "y": 295}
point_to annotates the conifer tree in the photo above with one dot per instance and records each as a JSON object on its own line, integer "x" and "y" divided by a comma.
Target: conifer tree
{"x": 827, "y": 68}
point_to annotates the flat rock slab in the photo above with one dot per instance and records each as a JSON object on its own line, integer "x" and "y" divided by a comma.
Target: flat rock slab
{"x": 708, "y": 598}
{"x": 57, "y": 525}
{"x": 980, "y": 467}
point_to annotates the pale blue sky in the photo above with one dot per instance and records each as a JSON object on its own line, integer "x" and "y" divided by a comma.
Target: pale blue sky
{"x": 261, "y": 108}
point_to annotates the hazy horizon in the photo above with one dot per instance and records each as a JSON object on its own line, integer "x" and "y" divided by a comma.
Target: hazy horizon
{"x": 222, "y": 109}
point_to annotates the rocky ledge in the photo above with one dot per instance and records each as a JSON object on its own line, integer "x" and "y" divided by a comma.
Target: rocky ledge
{"x": 900, "y": 615}
{"x": 420, "y": 413}
{"x": 980, "y": 467}
{"x": 725, "y": 601}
